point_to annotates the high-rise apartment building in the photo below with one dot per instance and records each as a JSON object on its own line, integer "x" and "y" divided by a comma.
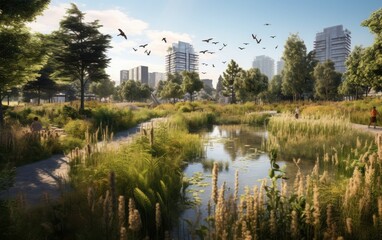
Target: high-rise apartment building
{"x": 140, "y": 74}
{"x": 265, "y": 64}
{"x": 333, "y": 43}
{"x": 182, "y": 57}
{"x": 123, "y": 76}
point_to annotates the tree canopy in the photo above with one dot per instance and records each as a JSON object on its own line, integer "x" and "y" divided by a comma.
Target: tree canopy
{"x": 230, "y": 80}
{"x": 81, "y": 53}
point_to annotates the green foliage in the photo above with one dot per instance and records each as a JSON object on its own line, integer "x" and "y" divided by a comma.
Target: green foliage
{"x": 77, "y": 128}
{"x": 252, "y": 82}
{"x": 114, "y": 119}
{"x": 327, "y": 81}
{"x": 230, "y": 80}
{"x": 70, "y": 112}
{"x": 80, "y": 54}
{"x": 295, "y": 68}
{"x": 69, "y": 143}
{"x": 191, "y": 83}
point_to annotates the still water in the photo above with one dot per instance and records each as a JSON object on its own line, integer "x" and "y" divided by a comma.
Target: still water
{"x": 236, "y": 147}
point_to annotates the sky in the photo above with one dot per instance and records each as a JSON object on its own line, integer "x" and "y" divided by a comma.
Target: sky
{"x": 230, "y": 22}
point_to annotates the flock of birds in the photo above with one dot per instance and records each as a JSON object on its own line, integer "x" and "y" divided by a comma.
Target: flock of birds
{"x": 208, "y": 40}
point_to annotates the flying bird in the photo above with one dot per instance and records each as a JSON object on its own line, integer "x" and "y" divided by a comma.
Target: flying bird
{"x": 148, "y": 53}
{"x": 263, "y": 47}
{"x": 135, "y": 49}
{"x": 258, "y": 40}
{"x": 224, "y": 44}
{"x": 267, "y": 24}
{"x": 205, "y": 64}
{"x": 215, "y": 42}
{"x": 221, "y": 48}
{"x": 203, "y": 51}
{"x": 143, "y": 45}
{"x": 224, "y": 62}
{"x": 121, "y": 33}
{"x": 277, "y": 46}
{"x": 213, "y": 65}
{"x": 203, "y": 72}
{"x": 164, "y": 40}
{"x": 245, "y": 43}
{"x": 273, "y": 36}
{"x": 211, "y": 52}
{"x": 207, "y": 40}
{"x": 254, "y": 36}
{"x": 241, "y": 48}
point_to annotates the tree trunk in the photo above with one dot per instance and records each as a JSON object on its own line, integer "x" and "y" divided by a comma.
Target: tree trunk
{"x": 82, "y": 98}
{"x": 233, "y": 95}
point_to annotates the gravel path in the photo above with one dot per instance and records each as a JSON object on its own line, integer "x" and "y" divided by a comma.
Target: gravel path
{"x": 49, "y": 178}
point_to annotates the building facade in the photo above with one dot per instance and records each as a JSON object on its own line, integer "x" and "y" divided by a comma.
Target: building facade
{"x": 265, "y": 64}
{"x": 333, "y": 43}
{"x": 155, "y": 77}
{"x": 182, "y": 57}
{"x": 140, "y": 74}
{"x": 123, "y": 76}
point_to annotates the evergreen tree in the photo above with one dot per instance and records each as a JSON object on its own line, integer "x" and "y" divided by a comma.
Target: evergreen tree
{"x": 81, "y": 55}
{"x": 230, "y": 80}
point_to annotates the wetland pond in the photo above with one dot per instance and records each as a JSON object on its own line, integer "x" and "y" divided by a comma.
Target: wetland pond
{"x": 234, "y": 147}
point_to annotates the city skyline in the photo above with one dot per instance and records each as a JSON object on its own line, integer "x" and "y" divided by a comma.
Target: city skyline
{"x": 231, "y": 23}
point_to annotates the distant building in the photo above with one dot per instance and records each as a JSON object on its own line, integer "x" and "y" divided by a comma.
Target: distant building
{"x": 207, "y": 83}
{"x": 333, "y": 43}
{"x": 280, "y": 66}
{"x": 140, "y": 74}
{"x": 123, "y": 76}
{"x": 182, "y": 57}
{"x": 265, "y": 64}
{"x": 155, "y": 77}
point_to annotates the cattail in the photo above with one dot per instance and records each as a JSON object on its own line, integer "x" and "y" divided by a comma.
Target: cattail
{"x": 121, "y": 211}
{"x": 324, "y": 179}
{"x": 123, "y": 234}
{"x": 308, "y": 214}
{"x": 273, "y": 223}
{"x": 219, "y": 211}
{"x": 316, "y": 206}
{"x": 214, "y": 192}
{"x": 135, "y": 223}
{"x": 349, "y": 225}
{"x": 158, "y": 219}
{"x": 294, "y": 225}
{"x": 236, "y": 185}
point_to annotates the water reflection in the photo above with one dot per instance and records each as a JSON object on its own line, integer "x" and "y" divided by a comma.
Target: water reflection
{"x": 238, "y": 148}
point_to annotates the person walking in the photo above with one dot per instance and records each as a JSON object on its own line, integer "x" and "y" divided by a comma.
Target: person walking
{"x": 373, "y": 117}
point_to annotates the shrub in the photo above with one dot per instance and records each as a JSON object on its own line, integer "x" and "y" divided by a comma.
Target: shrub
{"x": 77, "y": 128}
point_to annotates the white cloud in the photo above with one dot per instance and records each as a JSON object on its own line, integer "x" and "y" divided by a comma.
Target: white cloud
{"x": 50, "y": 20}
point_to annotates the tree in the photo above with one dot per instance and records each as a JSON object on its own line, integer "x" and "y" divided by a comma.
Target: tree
{"x": 171, "y": 90}
{"x": 230, "y": 80}
{"x": 103, "y": 89}
{"x": 274, "y": 88}
{"x": 42, "y": 87}
{"x": 20, "y": 11}
{"x": 191, "y": 83}
{"x": 20, "y": 51}
{"x": 355, "y": 78}
{"x": 295, "y": 68}
{"x": 252, "y": 82}
{"x": 81, "y": 55}
{"x": 311, "y": 63}
{"x": 327, "y": 81}
{"x": 130, "y": 90}
{"x": 372, "y": 63}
